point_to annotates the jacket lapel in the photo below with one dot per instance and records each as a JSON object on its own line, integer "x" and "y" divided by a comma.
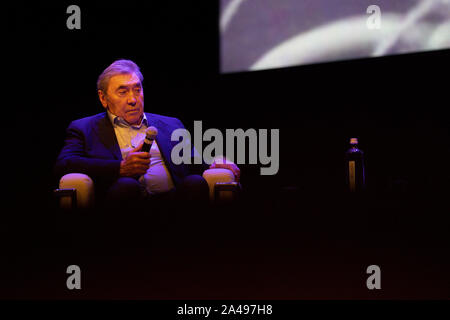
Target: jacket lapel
{"x": 107, "y": 136}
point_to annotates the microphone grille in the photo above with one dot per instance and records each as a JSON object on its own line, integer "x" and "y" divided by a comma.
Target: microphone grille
{"x": 151, "y": 133}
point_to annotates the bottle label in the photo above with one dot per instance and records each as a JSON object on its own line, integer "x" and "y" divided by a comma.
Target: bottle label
{"x": 352, "y": 175}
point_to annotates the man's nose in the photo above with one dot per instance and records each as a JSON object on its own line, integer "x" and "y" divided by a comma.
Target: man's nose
{"x": 131, "y": 99}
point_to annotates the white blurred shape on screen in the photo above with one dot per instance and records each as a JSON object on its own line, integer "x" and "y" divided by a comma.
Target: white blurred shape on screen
{"x": 228, "y": 13}
{"x": 344, "y": 39}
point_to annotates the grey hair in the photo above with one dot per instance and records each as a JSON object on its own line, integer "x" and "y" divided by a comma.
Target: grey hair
{"x": 121, "y": 66}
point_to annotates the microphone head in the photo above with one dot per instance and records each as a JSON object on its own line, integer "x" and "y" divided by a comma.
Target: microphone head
{"x": 151, "y": 133}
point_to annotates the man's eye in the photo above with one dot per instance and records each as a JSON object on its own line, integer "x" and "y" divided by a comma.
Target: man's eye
{"x": 137, "y": 89}
{"x": 122, "y": 92}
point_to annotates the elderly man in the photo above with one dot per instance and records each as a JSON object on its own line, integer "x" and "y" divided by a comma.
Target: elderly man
{"x": 107, "y": 146}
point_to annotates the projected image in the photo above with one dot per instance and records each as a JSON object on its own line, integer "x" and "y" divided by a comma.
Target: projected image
{"x": 266, "y": 34}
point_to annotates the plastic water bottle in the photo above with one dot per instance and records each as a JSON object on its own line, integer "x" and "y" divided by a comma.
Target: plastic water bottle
{"x": 355, "y": 176}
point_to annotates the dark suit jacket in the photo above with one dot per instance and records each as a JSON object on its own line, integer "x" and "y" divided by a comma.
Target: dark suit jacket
{"x": 91, "y": 148}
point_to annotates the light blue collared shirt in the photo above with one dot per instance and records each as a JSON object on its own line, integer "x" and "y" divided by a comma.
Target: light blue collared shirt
{"x": 157, "y": 179}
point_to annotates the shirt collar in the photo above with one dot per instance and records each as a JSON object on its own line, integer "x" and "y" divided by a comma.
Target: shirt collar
{"x": 119, "y": 121}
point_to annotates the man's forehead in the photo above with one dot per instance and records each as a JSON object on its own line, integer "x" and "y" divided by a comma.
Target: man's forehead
{"x": 124, "y": 80}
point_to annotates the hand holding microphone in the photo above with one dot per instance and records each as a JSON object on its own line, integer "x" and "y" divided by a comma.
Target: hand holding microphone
{"x": 137, "y": 161}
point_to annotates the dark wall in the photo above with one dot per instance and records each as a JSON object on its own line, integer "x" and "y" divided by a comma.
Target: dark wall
{"x": 395, "y": 105}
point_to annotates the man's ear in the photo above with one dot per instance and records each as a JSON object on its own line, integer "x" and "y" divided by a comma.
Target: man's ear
{"x": 102, "y": 97}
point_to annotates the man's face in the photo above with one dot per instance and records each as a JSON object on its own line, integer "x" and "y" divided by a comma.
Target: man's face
{"x": 124, "y": 97}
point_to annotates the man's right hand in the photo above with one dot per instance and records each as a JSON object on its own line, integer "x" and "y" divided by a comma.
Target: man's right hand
{"x": 136, "y": 163}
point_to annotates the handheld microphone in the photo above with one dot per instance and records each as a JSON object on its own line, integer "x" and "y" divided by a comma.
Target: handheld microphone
{"x": 150, "y": 136}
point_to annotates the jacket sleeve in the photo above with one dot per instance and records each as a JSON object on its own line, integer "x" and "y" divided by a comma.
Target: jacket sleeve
{"x": 73, "y": 158}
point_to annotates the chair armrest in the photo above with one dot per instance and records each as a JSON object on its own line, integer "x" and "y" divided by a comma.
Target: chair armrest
{"x": 66, "y": 197}
{"x": 83, "y": 186}
{"x": 217, "y": 179}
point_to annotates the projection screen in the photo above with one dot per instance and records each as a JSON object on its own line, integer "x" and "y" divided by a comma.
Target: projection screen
{"x": 266, "y": 34}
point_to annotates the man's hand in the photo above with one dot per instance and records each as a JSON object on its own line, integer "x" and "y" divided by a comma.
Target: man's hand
{"x": 227, "y": 165}
{"x": 136, "y": 163}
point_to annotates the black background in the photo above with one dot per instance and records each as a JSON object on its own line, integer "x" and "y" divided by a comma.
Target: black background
{"x": 396, "y": 106}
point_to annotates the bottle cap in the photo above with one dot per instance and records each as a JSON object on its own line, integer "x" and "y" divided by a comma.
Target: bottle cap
{"x": 354, "y": 141}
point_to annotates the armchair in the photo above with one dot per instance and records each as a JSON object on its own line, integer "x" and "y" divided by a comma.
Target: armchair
{"x": 76, "y": 190}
